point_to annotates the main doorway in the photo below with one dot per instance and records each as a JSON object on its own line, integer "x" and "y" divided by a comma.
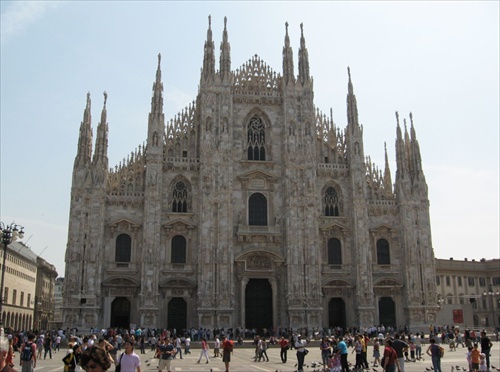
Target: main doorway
{"x": 336, "y": 313}
{"x": 258, "y": 304}
{"x": 120, "y": 313}
{"x": 387, "y": 312}
{"x": 177, "y": 314}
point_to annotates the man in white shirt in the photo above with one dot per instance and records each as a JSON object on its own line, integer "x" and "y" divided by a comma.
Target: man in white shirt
{"x": 129, "y": 360}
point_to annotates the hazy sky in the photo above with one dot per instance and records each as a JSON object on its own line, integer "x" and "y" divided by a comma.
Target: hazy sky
{"x": 439, "y": 60}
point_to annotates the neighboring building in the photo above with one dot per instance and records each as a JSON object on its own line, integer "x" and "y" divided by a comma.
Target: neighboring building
{"x": 44, "y": 296}
{"x": 469, "y": 292}
{"x": 250, "y": 208}
{"x": 19, "y": 286}
{"x": 58, "y": 304}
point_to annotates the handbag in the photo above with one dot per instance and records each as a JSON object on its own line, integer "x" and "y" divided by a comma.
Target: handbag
{"x": 306, "y": 351}
{"x": 118, "y": 367}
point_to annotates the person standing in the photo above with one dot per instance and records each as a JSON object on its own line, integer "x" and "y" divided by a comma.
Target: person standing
{"x": 47, "y": 346}
{"x": 485, "y": 348}
{"x": 300, "y": 346}
{"x": 390, "y": 359}
{"x": 324, "y": 346}
{"x": 178, "y": 346}
{"x": 129, "y": 360}
{"x": 28, "y": 355}
{"x": 284, "y": 349}
{"x": 227, "y": 349}
{"x": 187, "y": 345}
{"x": 435, "y": 352}
{"x": 165, "y": 352}
{"x": 4, "y": 350}
{"x": 342, "y": 346}
{"x": 401, "y": 347}
{"x": 204, "y": 350}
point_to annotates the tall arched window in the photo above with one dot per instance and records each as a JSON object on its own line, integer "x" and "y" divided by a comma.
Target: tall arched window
{"x": 123, "y": 248}
{"x": 256, "y": 139}
{"x": 178, "y": 250}
{"x": 334, "y": 252}
{"x": 179, "y": 198}
{"x": 331, "y": 201}
{"x": 257, "y": 207}
{"x": 383, "y": 254}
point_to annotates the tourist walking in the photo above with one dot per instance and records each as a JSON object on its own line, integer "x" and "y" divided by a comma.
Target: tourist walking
{"x": 204, "y": 350}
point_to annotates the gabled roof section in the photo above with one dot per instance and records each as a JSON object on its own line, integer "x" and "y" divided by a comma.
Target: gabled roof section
{"x": 382, "y": 227}
{"x": 178, "y": 221}
{"x": 257, "y": 174}
{"x": 255, "y": 76}
{"x": 124, "y": 224}
{"x": 334, "y": 226}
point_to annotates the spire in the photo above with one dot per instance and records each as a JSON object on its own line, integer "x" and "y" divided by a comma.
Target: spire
{"x": 225, "y": 55}
{"x": 84, "y": 151}
{"x": 101, "y": 143}
{"x": 387, "y": 173}
{"x": 352, "y": 106}
{"x": 303, "y": 59}
{"x": 208, "y": 71}
{"x": 157, "y": 100}
{"x": 288, "y": 59}
{"x": 415, "y": 150}
{"x": 401, "y": 156}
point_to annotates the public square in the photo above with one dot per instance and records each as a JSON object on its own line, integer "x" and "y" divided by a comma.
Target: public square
{"x": 242, "y": 361}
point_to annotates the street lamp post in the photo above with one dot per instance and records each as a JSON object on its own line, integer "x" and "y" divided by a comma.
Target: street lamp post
{"x": 9, "y": 234}
{"x": 492, "y": 293}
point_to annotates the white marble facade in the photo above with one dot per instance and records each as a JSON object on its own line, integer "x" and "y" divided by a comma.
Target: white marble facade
{"x": 249, "y": 204}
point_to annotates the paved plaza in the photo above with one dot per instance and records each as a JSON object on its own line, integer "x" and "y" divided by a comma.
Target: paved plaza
{"x": 242, "y": 361}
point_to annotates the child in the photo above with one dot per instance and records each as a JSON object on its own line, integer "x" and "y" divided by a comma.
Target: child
{"x": 413, "y": 347}
{"x": 334, "y": 363}
{"x": 482, "y": 362}
{"x": 469, "y": 357}
{"x": 474, "y": 354}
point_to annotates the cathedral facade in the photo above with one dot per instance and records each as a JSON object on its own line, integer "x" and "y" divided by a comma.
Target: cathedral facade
{"x": 250, "y": 208}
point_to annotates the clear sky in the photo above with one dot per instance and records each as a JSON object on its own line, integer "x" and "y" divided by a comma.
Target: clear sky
{"x": 438, "y": 60}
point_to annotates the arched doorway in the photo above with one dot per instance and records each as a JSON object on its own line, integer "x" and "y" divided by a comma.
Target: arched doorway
{"x": 258, "y": 304}
{"x": 387, "y": 312}
{"x": 177, "y": 314}
{"x": 120, "y": 312}
{"x": 336, "y": 313}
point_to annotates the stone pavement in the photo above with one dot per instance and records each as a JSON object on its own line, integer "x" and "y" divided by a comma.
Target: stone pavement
{"x": 242, "y": 361}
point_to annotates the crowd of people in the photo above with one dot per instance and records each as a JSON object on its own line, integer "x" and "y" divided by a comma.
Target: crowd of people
{"x": 101, "y": 350}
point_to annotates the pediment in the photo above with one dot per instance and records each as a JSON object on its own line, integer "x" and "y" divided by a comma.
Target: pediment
{"x": 256, "y": 174}
{"x": 334, "y": 226}
{"x": 124, "y": 224}
{"x": 178, "y": 223}
{"x": 177, "y": 283}
{"x": 338, "y": 283}
{"x": 254, "y": 253}
{"x": 121, "y": 282}
{"x": 387, "y": 282}
{"x": 382, "y": 227}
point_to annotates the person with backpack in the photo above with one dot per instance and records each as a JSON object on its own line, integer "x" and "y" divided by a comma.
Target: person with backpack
{"x": 436, "y": 353}
{"x": 227, "y": 349}
{"x": 28, "y": 355}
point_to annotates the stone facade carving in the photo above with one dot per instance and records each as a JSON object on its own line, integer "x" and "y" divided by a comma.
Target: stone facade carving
{"x": 250, "y": 205}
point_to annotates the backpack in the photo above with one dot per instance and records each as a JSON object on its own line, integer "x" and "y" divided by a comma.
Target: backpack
{"x": 27, "y": 352}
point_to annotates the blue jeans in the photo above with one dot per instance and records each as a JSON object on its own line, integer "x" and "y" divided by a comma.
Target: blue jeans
{"x": 436, "y": 363}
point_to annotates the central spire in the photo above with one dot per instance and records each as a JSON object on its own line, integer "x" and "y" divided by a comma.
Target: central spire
{"x": 209, "y": 56}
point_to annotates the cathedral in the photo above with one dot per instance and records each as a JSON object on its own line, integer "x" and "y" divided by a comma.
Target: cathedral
{"x": 250, "y": 208}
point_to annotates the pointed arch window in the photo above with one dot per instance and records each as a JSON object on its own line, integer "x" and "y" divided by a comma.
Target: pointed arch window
{"x": 123, "y": 249}
{"x": 331, "y": 201}
{"x": 179, "y": 198}
{"x": 257, "y": 210}
{"x": 334, "y": 252}
{"x": 256, "y": 139}
{"x": 383, "y": 252}
{"x": 178, "y": 254}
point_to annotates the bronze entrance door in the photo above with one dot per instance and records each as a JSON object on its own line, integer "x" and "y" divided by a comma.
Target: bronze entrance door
{"x": 387, "y": 312}
{"x": 120, "y": 313}
{"x": 336, "y": 313}
{"x": 177, "y": 314}
{"x": 258, "y": 304}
